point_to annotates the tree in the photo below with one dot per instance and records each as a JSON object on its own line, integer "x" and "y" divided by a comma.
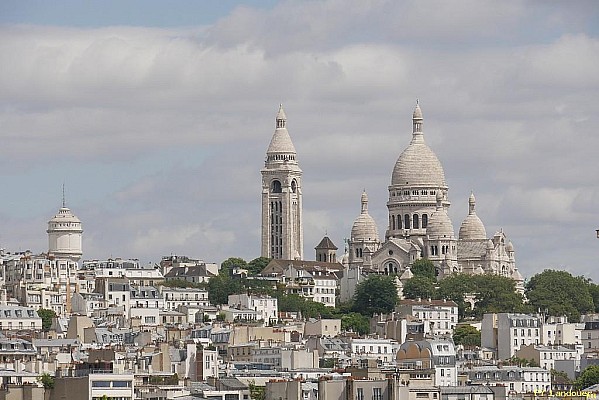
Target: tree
{"x": 521, "y": 362}
{"x": 419, "y": 286}
{"x": 256, "y": 266}
{"x": 220, "y": 287}
{"x": 377, "y": 294}
{"x": 559, "y": 293}
{"x": 456, "y": 287}
{"x": 308, "y": 308}
{"x": 424, "y": 267}
{"x": 495, "y": 293}
{"x": 227, "y": 265}
{"x": 355, "y": 322}
{"x": 560, "y": 378}
{"x": 594, "y": 292}
{"x": 47, "y": 316}
{"x": 46, "y": 380}
{"x": 257, "y": 392}
{"x": 588, "y": 377}
{"x": 466, "y": 335}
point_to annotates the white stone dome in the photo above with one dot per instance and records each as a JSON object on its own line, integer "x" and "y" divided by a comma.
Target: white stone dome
{"x": 439, "y": 225}
{"x": 364, "y": 227}
{"x": 418, "y": 164}
{"x": 472, "y": 227}
{"x": 64, "y": 215}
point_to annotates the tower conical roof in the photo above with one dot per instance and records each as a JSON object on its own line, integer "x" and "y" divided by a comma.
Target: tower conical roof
{"x": 326, "y": 244}
{"x": 281, "y": 141}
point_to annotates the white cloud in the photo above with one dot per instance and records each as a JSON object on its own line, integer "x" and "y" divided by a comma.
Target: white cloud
{"x": 508, "y": 90}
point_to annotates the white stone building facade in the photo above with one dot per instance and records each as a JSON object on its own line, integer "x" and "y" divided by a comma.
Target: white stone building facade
{"x": 282, "y": 232}
{"x": 419, "y": 225}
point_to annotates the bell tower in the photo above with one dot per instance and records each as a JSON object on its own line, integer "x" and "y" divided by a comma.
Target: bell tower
{"x": 282, "y": 232}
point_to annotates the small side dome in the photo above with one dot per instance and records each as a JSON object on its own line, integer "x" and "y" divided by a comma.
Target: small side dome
{"x": 490, "y": 245}
{"x": 510, "y": 247}
{"x": 472, "y": 227}
{"x": 439, "y": 225}
{"x": 364, "y": 227}
{"x": 517, "y": 276}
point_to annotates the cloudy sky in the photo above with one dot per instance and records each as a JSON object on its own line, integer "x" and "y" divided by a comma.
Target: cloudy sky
{"x": 156, "y": 116}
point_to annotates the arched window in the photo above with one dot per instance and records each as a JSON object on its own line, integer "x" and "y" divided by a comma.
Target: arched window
{"x": 293, "y": 186}
{"x": 392, "y": 222}
{"x": 406, "y": 220}
{"x": 424, "y": 220}
{"x": 276, "y": 187}
{"x": 399, "y": 222}
{"x": 416, "y": 221}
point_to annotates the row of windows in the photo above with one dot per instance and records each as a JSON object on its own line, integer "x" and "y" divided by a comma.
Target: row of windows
{"x": 414, "y": 193}
{"x": 522, "y": 332}
{"x": 413, "y": 221}
{"x": 281, "y": 157}
{"x": 377, "y": 394}
{"x": 444, "y": 249}
{"x": 115, "y": 384}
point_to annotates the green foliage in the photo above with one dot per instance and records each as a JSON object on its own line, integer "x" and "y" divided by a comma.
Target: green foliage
{"x": 258, "y": 286}
{"x": 466, "y": 335}
{"x": 560, "y": 377}
{"x": 46, "y": 315}
{"x": 164, "y": 380}
{"x": 588, "y": 377}
{"x": 419, "y": 286}
{"x": 256, "y": 266}
{"x": 521, "y": 362}
{"x": 220, "y": 287}
{"x": 454, "y": 288}
{"x": 355, "y": 322}
{"x": 559, "y": 293}
{"x": 594, "y": 292}
{"x": 327, "y": 362}
{"x": 494, "y": 294}
{"x": 257, "y": 392}
{"x": 46, "y": 380}
{"x": 375, "y": 295}
{"x": 227, "y": 265}
{"x": 308, "y": 308}
{"x": 424, "y": 267}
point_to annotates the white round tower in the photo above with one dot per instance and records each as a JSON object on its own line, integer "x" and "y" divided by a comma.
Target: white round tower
{"x": 65, "y": 234}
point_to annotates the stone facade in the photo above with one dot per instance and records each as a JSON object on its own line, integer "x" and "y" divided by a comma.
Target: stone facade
{"x": 419, "y": 225}
{"x": 282, "y": 232}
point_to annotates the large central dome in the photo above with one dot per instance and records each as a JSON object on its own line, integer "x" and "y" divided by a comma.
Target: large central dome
{"x": 418, "y": 165}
